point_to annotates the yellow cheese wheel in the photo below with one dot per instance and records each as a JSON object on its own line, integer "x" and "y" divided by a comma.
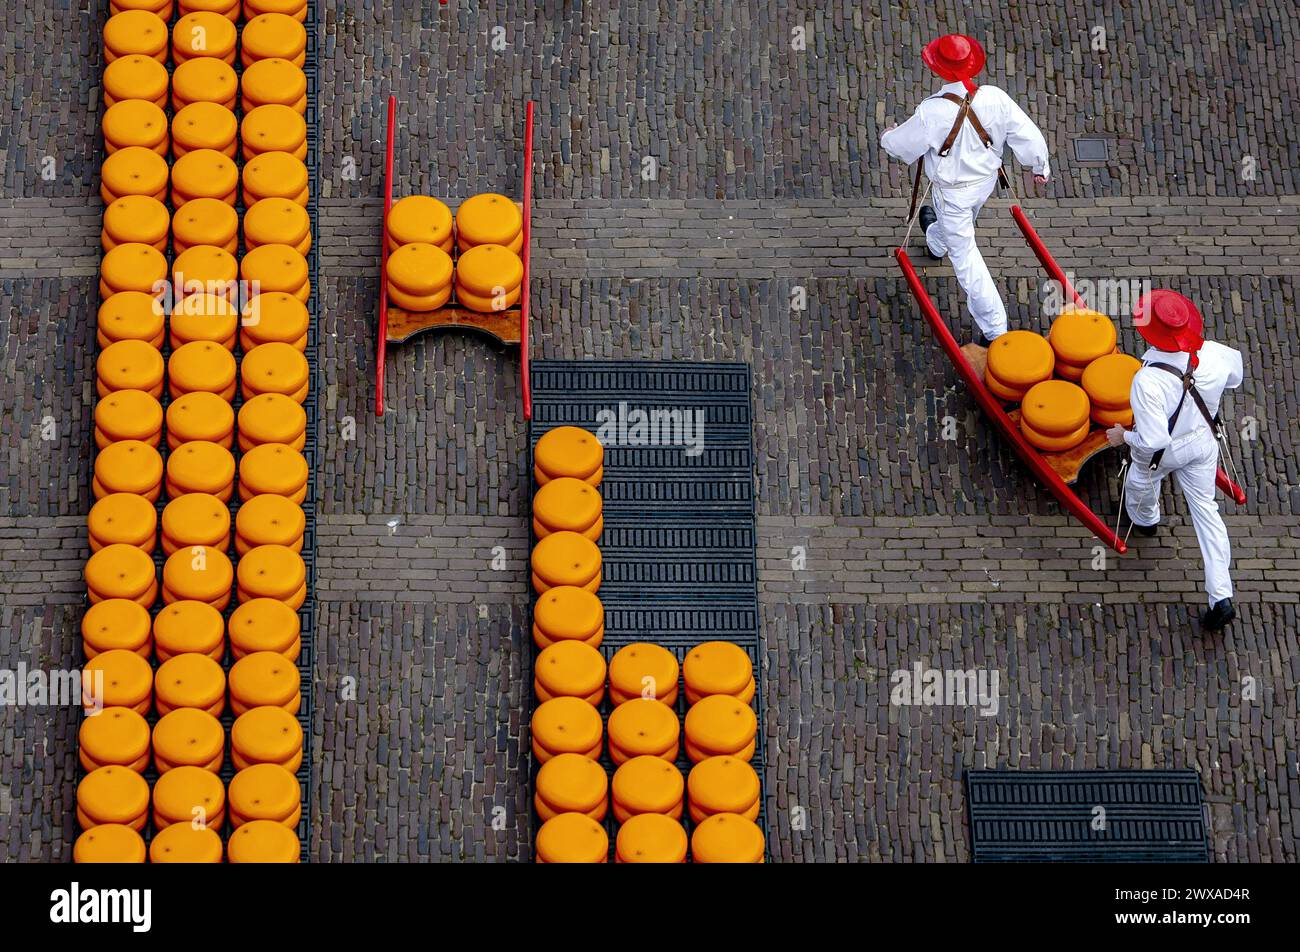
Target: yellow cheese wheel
{"x": 419, "y": 269}
{"x": 204, "y": 79}
{"x": 131, "y": 315}
{"x": 189, "y": 627}
{"x": 419, "y": 219}
{"x": 265, "y": 679}
{"x": 1049, "y": 443}
{"x": 204, "y": 33}
{"x": 265, "y": 792}
{"x": 133, "y": 267}
{"x": 204, "y": 125}
{"x": 266, "y": 735}
{"x": 418, "y": 302}
{"x": 570, "y": 669}
{"x": 718, "y": 667}
{"x": 489, "y": 270}
{"x": 182, "y": 843}
{"x": 272, "y": 468}
{"x": 201, "y": 365}
{"x": 566, "y": 558}
{"x": 567, "y": 612}
{"x": 273, "y": 35}
{"x": 1020, "y": 359}
{"x": 272, "y": 418}
{"x": 572, "y": 838}
{"x": 265, "y": 624}
{"x": 263, "y": 841}
{"x": 270, "y": 519}
{"x": 205, "y": 221}
{"x": 566, "y": 725}
{"x": 274, "y": 80}
{"x": 109, "y": 843}
{"x": 112, "y": 795}
{"x": 200, "y": 415}
{"x": 569, "y": 451}
{"x": 136, "y": 219}
{"x": 116, "y": 737}
{"x": 1109, "y": 418}
{"x": 274, "y": 268}
{"x": 200, "y": 573}
{"x": 205, "y": 317}
{"x": 200, "y": 467}
{"x": 643, "y": 727}
{"x": 128, "y": 466}
{"x": 719, "y": 724}
{"x": 486, "y": 305}
{"x": 204, "y": 173}
{"x": 188, "y": 737}
{"x": 570, "y": 783}
{"x": 275, "y": 368}
{"x": 123, "y": 519}
{"x": 1055, "y": 408}
{"x": 274, "y": 317}
{"x": 566, "y": 504}
{"x": 129, "y": 415}
{"x": 1079, "y": 336}
{"x": 275, "y": 175}
{"x": 115, "y": 623}
{"x": 163, "y": 8}
{"x": 133, "y": 32}
{"x": 273, "y": 128}
{"x": 647, "y": 784}
{"x": 727, "y": 838}
{"x": 723, "y": 785}
{"x": 1108, "y": 380}
{"x": 294, "y": 8}
{"x": 517, "y": 245}
{"x": 227, "y": 8}
{"x": 651, "y": 838}
{"x": 272, "y": 571}
{"x": 278, "y": 221}
{"x": 134, "y": 122}
{"x": 643, "y": 669}
{"x": 117, "y": 678}
{"x": 190, "y": 680}
{"x": 135, "y": 77}
{"x": 205, "y": 269}
{"x": 488, "y": 219}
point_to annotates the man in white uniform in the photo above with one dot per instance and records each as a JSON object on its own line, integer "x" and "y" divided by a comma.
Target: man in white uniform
{"x": 1172, "y": 432}
{"x": 961, "y": 137}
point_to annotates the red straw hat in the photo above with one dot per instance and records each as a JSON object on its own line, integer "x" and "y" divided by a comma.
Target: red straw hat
{"x": 1169, "y": 322}
{"x": 954, "y": 57}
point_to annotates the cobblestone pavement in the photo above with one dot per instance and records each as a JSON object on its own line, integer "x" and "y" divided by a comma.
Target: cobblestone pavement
{"x": 917, "y": 548}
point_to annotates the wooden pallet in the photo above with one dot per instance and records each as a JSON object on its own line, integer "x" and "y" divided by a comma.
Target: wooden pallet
{"x": 503, "y": 326}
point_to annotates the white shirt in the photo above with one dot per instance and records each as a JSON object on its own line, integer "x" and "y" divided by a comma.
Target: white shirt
{"x": 969, "y": 162}
{"x": 1156, "y": 392}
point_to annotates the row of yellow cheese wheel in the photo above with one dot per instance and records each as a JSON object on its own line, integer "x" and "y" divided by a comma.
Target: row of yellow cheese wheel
{"x": 190, "y": 688}
{"x": 648, "y": 792}
{"x": 1066, "y": 382}
{"x": 486, "y": 237}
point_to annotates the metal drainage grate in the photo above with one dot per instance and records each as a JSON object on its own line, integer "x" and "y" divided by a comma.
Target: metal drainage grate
{"x": 1091, "y": 149}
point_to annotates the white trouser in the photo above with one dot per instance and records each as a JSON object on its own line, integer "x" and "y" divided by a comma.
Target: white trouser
{"x": 953, "y": 234}
{"x": 1195, "y": 458}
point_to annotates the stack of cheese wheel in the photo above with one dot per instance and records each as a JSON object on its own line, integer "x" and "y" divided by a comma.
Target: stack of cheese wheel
{"x": 278, "y": 221}
{"x": 276, "y": 268}
{"x": 135, "y": 122}
{"x": 265, "y": 679}
{"x": 566, "y": 725}
{"x": 201, "y": 467}
{"x": 204, "y": 79}
{"x": 189, "y": 795}
{"x": 113, "y": 795}
{"x": 135, "y": 219}
{"x": 120, "y": 571}
{"x": 109, "y": 843}
{"x": 117, "y": 678}
{"x": 272, "y": 418}
{"x": 204, "y": 317}
{"x": 189, "y": 628}
{"x": 269, "y": 519}
{"x": 115, "y": 737}
{"x": 265, "y": 624}
{"x": 206, "y": 221}
{"x": 570, "y": 669}
{"x": 273, "y": 128}
{"x": 274, "y": 36}
{"x": 128, "y": 466}
{"x": 201, "y": 366}
{"x": 419, "y": 219}
{"x": 135, "y": 32}
{"x": 571, "y": 783}
{"x": 205, "y": 269}
{"x": 274, "y": 317}
{"x": 133, "y": 170}
{"x": 136, "y": 77}
{"x": 185, "y": 843}
{"x": 133, "y": 267}
{"x": 265, "y": 792}
{"x": 643, "y": 670}
{"x": 263, "y": 841}
{"x": 274, "y": 81}
{"x": 128, "y": 415}
{"x": 643, "y": 727}
{"x": 419, "y": 277}
{"x": 1016, "y": 361}
{"x": 190, "y": 680}
{"x": 572, "y": 838}
{"x": 568, "y": 505}
{"x": 273, "y": 468}
{"x": 131, "y": 315}
{"x": 123, "y": 519}
{"x": 1079, "y": 336}
{"x": 1108, "y": 382}
{"x": 723, "y": 785}
{"x": 569, "y": 451}
{"x": 720, "y": 724}
{"x": 276, "y": 175}
{"x": 195, "y": 519}
{"x": 200, "y": 415}
{"x": 647, "y": 784}
{"x": 199, "y": 573}
{"x": 489, "y": 219}
{"x": 115, "y": 623}
{"x": 718, "y": 667}
{"x": 189, "y": 737}
{"x": 568, "y": 613}
{"x": 204, "y": 125}
{"x": 489, "y": 278}
{"x": 203, "y": 33}
{"x": 273, "y": 571}
{"x": 566, "y": 558}
{"x": 130, "y": 364}
{"x": 267, "y": 735}
{"x": 727, "y": 838}
{"x": 650, "y": 838}
{"x": 203, "y": 173}
{"x": 1055, "y": 415}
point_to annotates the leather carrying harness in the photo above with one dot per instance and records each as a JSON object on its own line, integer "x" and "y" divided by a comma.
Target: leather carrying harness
{"x": 1189, "y": 386}
{"x": 964, "y": 113}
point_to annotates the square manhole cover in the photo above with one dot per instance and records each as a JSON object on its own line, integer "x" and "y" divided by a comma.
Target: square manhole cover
{"x": 1091, "y": 149}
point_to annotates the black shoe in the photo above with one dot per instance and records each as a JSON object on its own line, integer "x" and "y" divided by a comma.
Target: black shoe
{"x": 928, "y": 218}
{"x": 1148, "y": 531}
{"x": 1220, "y": 614}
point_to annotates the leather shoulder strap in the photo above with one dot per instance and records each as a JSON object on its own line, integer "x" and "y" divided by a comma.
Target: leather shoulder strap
{"x": 964, "y": 112}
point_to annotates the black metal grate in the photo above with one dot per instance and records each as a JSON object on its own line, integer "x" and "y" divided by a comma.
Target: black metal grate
{"x": 1097, "y": 816}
